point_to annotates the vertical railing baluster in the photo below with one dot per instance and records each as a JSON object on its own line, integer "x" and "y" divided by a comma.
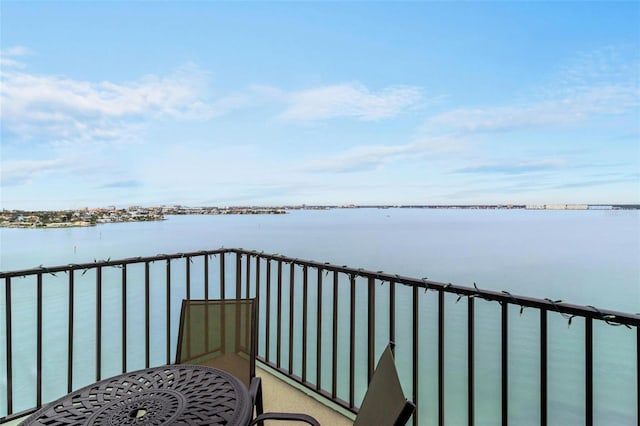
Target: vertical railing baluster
{"x": 543, "y": 367}
{"x": 470, "y": 361}
{"x": 206, "y": 297}
{"x": 248, "y": 278}
{"x": 39, "y": 343}
{"x": 147, "y": 315}
{"x": 238, "y": 276}
{"x": 291, "y": 294}
{"x": 187, "y": 278}
{"x": 70, "y": 333}
{"x": 505, "y": 363}
{"x": 9, "y": 344}
{"x": 268, "y": 313}
{"x": 124, "y": 317}
{"x": 638, "y": 375}
{"x": 257, "y": 292}
{"x": 416, "y": 351}
{"x": 98, "y": 323}
{"x": 371, "y": 328}
{"x": 305, "y": 289}
{"x": 279, "y": 316}
{"x": 441, "y": 413}
{"x": 392, "y": 311}
{"x": 168, "y": 309}
{"x": 352, "y": 339}
{"x": 589, "y": 372}
{"x": 206, "y": 284}
{"x": 334, "y": 355}
{"x": 319, "y": 333}
{"x": 222, "y": 277}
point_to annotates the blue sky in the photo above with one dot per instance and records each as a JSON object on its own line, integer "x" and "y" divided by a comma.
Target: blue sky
{"x": 271, "y": 103}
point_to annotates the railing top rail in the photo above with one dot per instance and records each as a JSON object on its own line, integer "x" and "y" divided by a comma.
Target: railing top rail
{"x": 558, "y": 306}
{"x": 107, "y": 263}
{"x": 498, "y": 296}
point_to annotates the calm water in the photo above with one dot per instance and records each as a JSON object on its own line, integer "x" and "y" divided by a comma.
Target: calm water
{"x": 585, "y": 257}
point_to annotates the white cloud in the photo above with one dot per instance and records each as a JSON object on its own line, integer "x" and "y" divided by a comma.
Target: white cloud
{"x": 517, "y": 167}
{"x": 565, "y": 110}
{"x": 15, "y": 51}
{"x": 600, "y": 82}
{"x": 7, "y": 55}
{"x": 373, "y": 157}
{"x": 350, "y": 101}
{"x": 62, "y": 109}
{"x": 22, "y": 171}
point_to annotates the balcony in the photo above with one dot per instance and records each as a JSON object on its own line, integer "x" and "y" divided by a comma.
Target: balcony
{"x": 465, "y": 355}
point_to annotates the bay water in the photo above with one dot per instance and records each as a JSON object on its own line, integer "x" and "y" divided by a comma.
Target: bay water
{"x": 583, "y": 257}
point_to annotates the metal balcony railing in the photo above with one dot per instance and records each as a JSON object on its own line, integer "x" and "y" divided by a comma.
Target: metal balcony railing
{"x": 321, "y": 324}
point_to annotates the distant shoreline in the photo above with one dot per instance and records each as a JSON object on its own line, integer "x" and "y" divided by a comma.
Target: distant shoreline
{"x": 91, "y": 217}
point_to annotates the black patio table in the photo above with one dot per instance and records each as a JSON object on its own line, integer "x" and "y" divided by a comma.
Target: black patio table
{"x": 177, "y": 394}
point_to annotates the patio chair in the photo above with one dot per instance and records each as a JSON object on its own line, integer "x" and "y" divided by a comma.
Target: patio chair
{"x": 384, "y": 402}
{"x": 222, "y": 334}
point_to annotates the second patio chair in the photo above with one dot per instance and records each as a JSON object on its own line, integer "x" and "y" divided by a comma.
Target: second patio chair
{"x": 222, "y": 334}
{"x": 384, "y": 402}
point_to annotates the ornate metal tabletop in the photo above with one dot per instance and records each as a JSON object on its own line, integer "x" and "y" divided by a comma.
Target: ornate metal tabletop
{"x": 168, "y": 395}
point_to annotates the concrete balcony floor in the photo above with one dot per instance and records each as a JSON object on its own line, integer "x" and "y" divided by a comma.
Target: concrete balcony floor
{"x": 281, "y": 395}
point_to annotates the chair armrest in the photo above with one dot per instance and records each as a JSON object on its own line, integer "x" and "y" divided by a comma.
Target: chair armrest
{"x": 287, "y": 417}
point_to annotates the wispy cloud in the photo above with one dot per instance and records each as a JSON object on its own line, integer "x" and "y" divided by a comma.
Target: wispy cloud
{"x": 121, "y": 184}
{"x": 8, "y": 56}
{"x": 514, "y": 168}
{"x": 577, "y": 107}
{"x": 23, "y": 171}
{"x": 373, "y": 157}
{"x": 598, "y": 83}
{"x": 350, "y": 100}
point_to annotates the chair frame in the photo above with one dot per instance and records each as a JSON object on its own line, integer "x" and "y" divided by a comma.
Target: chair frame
{"x": 255, "y": 386}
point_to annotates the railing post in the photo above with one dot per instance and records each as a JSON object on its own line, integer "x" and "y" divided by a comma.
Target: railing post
{"x": 392, "y": 311}
{"x": 70, "y": 333}
{"x": 334, "y": 355}
{"x": 238, "y": 276}
{"x": 371, "y": 328}
{"x": 279, "y": 317}
{"x": 291, "y": 296}
{"x": 441, "y": 358}
{"x": 416, "y": 351}
{"x": 124, "y": 318}
{"x": 206, "y": 282}
{"x": 505, "y": 363}
{"x": 305, "y": 290}
{"x": 589, "y": 372}
{"x": 147, "y": 314}
{"x": 39, "y": 344}
{"x": 543, "y": 367}
{"x": 168, "y": 309}
{"x": 352, "y": 339}
{"x": 319, "y": 332}
{"x": 222, "y": 276}
{"x": 187, "y": 276}
{"x": 98, "y": 323}
{"x": 268, "y": 313}
{"x": 9, "y": 344}
{"x": 471, "y": 360}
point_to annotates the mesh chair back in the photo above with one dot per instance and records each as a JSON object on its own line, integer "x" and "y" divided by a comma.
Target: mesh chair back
{"x": 220, "y": 334}
{"x": 385, "y": 403}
